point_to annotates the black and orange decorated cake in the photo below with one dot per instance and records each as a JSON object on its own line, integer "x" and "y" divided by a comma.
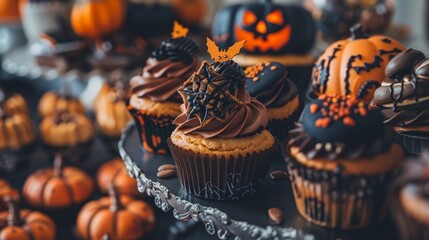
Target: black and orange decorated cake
{"x": 403, "y": 98}
{"x": 155, "y": 102}
{"x": 341, "y": 149}
{"x": 269, "y": 83}
{"x": 221, "y": 148}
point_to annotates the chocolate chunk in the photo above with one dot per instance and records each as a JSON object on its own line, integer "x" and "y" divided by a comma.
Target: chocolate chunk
{"x": 166, "y": 167}
{"x": 166, "y": 173}
{"x": 422, "y": 69}
{"x": 278, "y": 175}
{"x": 403, "y": 63}
{"x": 276, "y": 215}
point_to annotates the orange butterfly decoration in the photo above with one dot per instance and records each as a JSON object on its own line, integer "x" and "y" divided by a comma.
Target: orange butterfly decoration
{"x": 179, "y": 30}
{"x": 223, "y": 55}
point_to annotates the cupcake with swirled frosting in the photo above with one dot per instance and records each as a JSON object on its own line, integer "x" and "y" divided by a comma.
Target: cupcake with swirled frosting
{"x": 220, "y": 146}
{"x": 341, "y": 149}
{"x": 155, "y": 102}
{"x": 403, "y": 98}
{"x": 269, "y": 84}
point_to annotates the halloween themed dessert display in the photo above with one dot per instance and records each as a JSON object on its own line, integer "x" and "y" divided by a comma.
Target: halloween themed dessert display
{"x": 403, "y": 98}
{"x": 220, "y": 146}
{"x": 269, "y": 84}
{"x": 65, "y": 130}
{"x": 6, "y": 191}
{"x": 114, "y": 173}
{"x": 61, "y": 50}
{"x": 9, "y": 11}
{"x": 111, "y": 114}
{"x": 354, "y": 66}
{"x": 53, "y": 102}
{"x": 57, "y": 187}
{"x": 119, "y": 216}
{"x": 335, "y": 17}
{"x": 409, "y": 196}
{"x": 25, "y": 224}
{"x": 44, "y": 16}
{"x": 341, "y": 149}
{"x": 155, "y": 102}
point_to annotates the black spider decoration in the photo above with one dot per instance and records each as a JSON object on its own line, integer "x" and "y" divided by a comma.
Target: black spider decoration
{"x": 207, "y": 94}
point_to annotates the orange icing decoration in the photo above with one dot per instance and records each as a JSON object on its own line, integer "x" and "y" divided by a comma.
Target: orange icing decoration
{"x": 179, "y": 30}
{"x": 223, "y": 55}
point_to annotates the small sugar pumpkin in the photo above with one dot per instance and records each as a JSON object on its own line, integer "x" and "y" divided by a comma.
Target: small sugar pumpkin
{"x": 268, "y": 28}
{"x": 51, "y": 102}
{"x": 354, "y": 66}
{"x": 25, "y": 224}
{"x": 119, "y": 216}
{"x": 96, "y": 18}
{"x": 58, "y": 186}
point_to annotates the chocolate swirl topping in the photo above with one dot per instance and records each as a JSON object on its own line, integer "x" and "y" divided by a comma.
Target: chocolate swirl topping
{"x": 161, "y": 78}
{"x": 216, "y": 103}
{"x": 404, "y": 96}
{"x": 329, "y": 123}
{"x": 177, "y": 49}
{"x": 268, "y": 83}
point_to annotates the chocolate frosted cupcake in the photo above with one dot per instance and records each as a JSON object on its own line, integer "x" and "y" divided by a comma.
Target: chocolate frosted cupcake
{"x": 155, "y": 102}
{"x": 221, "y": 148}
{"x": 342, "y": 160}
{"x": 268, "y": 83}
{"x": 410, "y": 199}
{"x": 403, "y": 98}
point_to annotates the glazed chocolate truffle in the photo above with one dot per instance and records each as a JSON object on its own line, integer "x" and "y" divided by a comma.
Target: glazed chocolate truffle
{"x": 220, "y": 136}
{"x": 403, "y": 98}
{"x": 341, "y": 148}
{"x": 268, "y": 83}
{"x": 410, "y": 199}
{"x": 155, "y": 102}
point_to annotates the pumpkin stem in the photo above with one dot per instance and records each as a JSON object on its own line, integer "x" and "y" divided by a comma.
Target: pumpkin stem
{"x": 58, "y": 165}
{"x": 13, "y": 218}
{"x": 357, "y": 32}
{"x": 114, "y": 196}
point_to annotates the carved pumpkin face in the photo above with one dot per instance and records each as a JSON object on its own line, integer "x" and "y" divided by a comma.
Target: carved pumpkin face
{"x": 354, "y": 66}
{"x": 264, "y": 28}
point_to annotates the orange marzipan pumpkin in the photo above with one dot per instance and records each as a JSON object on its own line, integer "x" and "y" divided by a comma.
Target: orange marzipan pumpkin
{"x": 25, "y": 224}
{"x": 119, "y": 216}
{"x": 96, "y": 18}
{"x": 354, "y": 66}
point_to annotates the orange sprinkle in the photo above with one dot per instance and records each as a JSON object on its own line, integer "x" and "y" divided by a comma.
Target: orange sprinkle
{"x": 323, "y": 122}
{"x": 322, "y": 97}
{"x": 348, "y": 121}
{"x": 314, "y": 108}
{"x": 362, "y": 111}
{"x": 326, "y": 104}
{"x": 255, "y": 79}
{"x": 274, "y": 68}
{"x": 324, "y": 112}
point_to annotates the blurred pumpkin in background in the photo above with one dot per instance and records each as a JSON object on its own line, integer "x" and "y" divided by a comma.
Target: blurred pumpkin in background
{"x": 96, "y": 18}
{"x": 190, "y": 11}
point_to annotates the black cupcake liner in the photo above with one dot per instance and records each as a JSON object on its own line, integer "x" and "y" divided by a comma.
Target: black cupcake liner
{"x": 335, "y": 200}
{"x": 220, "y": 178}
{"x": 413, "y": 143}
{"x": 279, "y": 128}
{"x": 154, "y": 131}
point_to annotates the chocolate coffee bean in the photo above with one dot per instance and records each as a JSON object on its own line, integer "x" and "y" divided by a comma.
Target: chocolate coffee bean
{"x": 166, "y": 173}
{"x": 403, "y": 63}
{"x": 166, "y": 167}
{"x": 276, "y": 215}
{"x": 278, "y": 175}
{"x": 422, "y": 69}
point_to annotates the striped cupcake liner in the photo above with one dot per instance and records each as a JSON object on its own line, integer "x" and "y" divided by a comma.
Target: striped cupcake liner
{"x": 221, "y": 178}
{"x": 413, "y": 144}
{"x": 335, "y": 200}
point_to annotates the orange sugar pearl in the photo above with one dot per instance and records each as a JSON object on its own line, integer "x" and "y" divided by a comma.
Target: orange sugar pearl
{"x": 348, "y": 121}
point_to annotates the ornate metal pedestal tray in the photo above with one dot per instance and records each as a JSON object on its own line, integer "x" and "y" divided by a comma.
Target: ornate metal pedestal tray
{"x": 239, "y": 219}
